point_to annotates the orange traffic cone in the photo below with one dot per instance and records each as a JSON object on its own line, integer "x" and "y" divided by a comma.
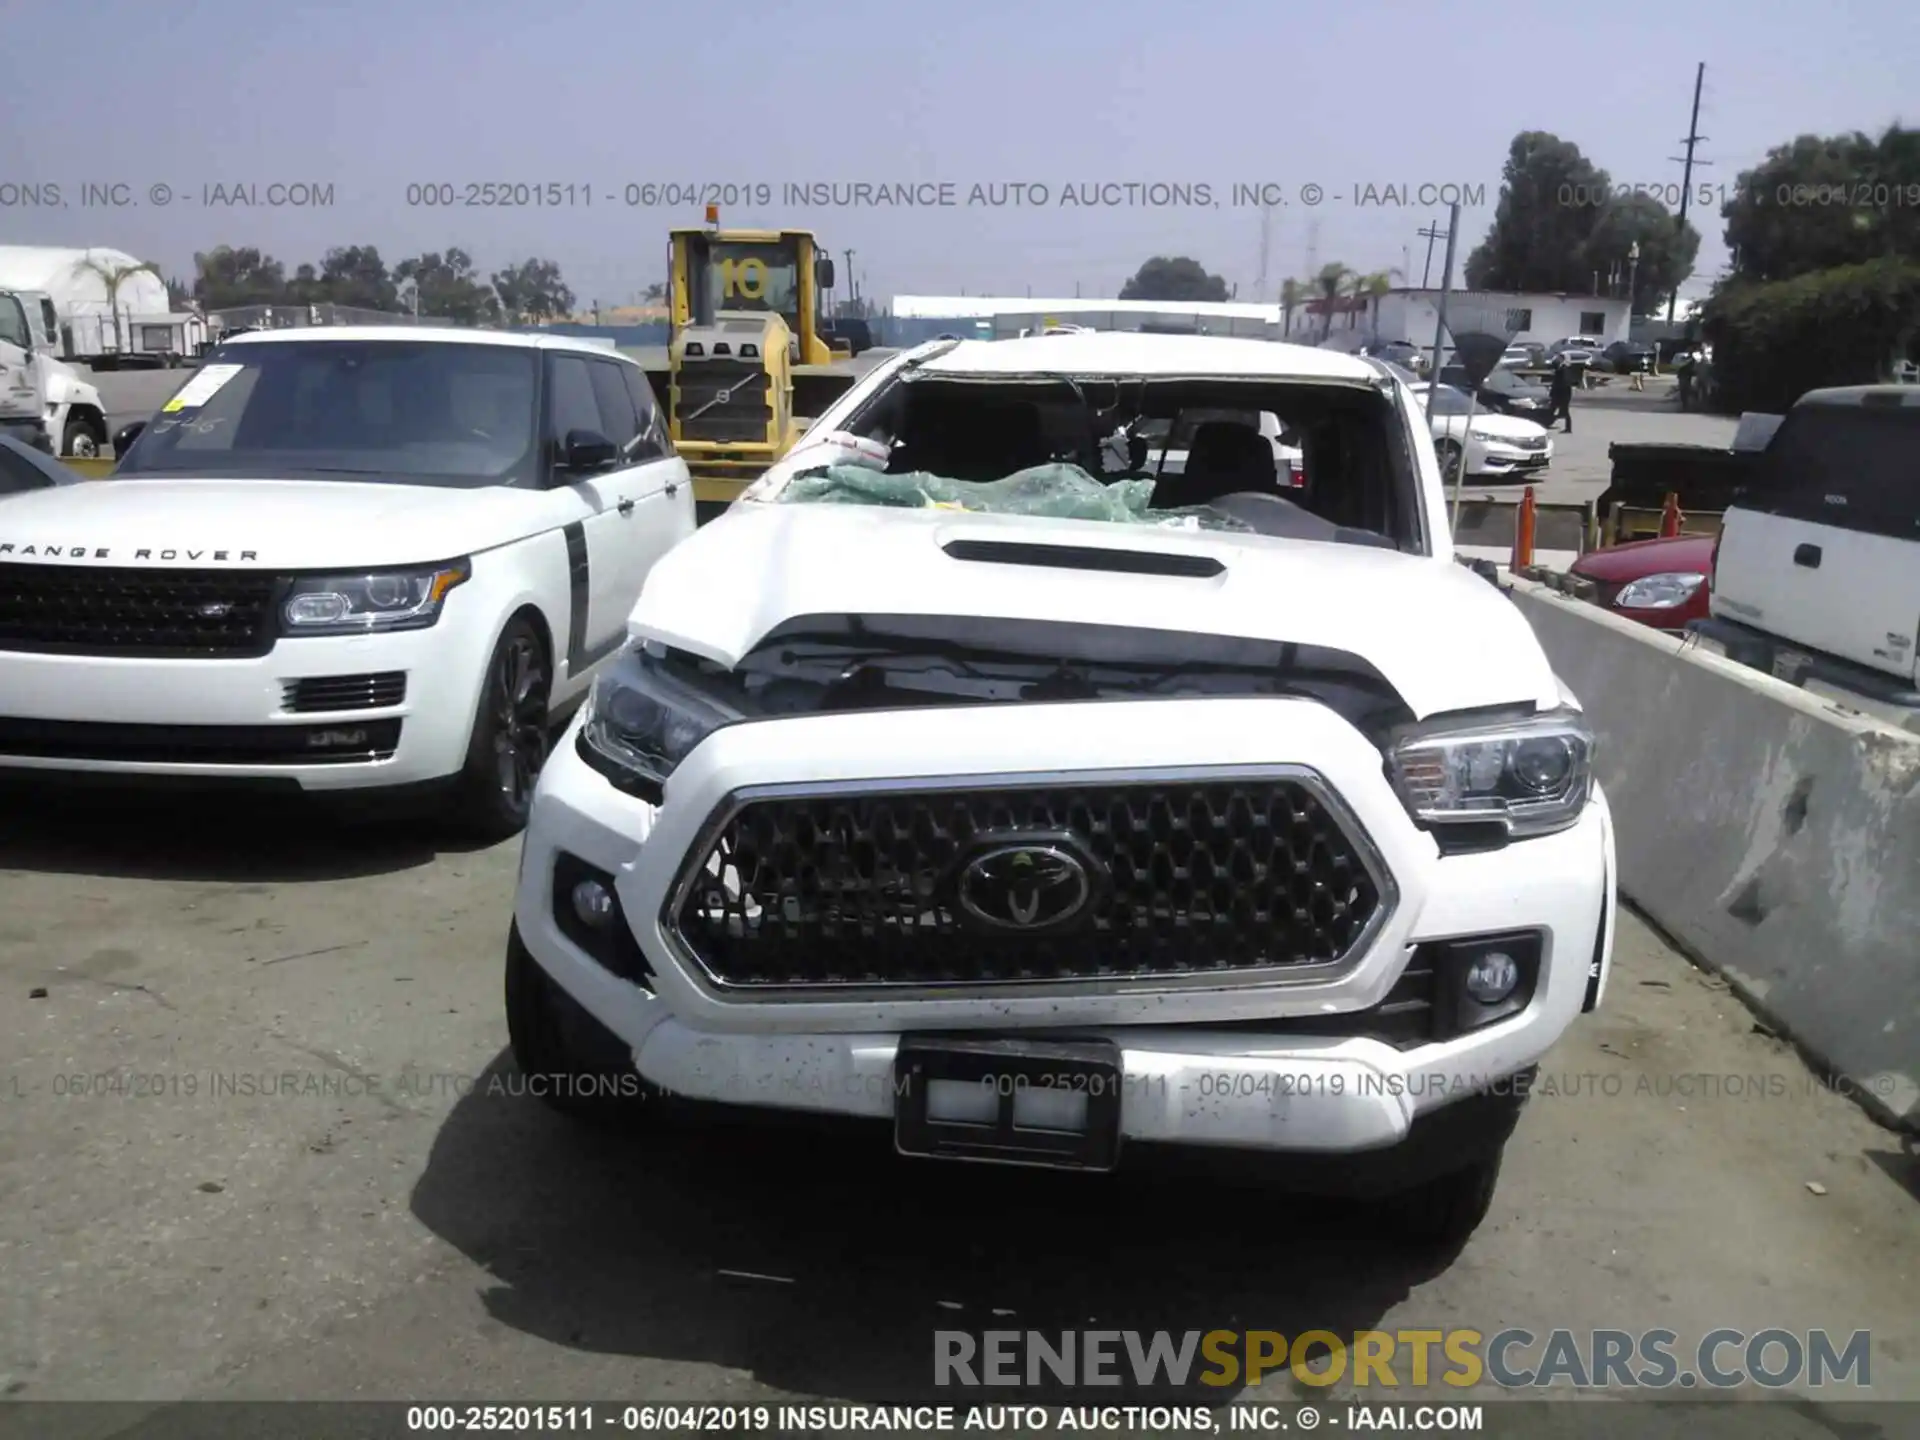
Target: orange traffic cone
{"x": 1670, "y": 517}
{"x": 1523, "y": 527}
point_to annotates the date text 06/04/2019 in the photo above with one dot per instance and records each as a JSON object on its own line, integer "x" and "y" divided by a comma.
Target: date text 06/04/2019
{"x": 818, "y": 1419}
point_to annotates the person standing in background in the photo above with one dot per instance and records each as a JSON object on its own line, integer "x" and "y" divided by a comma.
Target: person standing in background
{"x": 1560, "y": 394}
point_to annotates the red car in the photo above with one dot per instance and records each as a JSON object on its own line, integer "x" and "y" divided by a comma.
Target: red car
{"x": 1662, "y": 583}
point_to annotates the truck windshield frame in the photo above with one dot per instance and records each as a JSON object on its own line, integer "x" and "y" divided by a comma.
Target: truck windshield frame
{"x": 404, "y": 412}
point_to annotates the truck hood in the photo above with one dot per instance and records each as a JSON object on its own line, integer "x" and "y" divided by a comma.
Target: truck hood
{"x": 1445, "y": 639}
{"x": 65, "y": 387}
{"x": 259, "y": 524}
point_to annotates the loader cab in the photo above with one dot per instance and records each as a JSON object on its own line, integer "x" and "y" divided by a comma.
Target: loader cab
{"x": 717, "y": 273}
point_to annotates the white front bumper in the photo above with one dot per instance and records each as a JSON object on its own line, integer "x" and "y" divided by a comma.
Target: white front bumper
{"x": 443, "y": 666}
{"x": 1184, "y": 1081}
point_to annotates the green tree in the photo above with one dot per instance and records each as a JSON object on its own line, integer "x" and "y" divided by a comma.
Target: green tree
{"x": 1330, "y": 286}
{"x": 1174, "y": 277}
{"x": 1550, "y": 198}
{"x": 1375, "y": 287}
{"x": 1292, "y": 296}
{"x": 356, "y": 275}
{"x": 1667, "y": 248}
{"x": 113, "y": 276}
{"x": 305, "y": 288}
{"x": 1822, "y": 201}
{"x": 225, "y": 278}
{"x": 533, "y": 290}
{"x": 448, "y": 287}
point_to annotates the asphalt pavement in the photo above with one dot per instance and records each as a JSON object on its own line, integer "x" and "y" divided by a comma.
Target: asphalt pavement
{"x": 259, "y": 1138}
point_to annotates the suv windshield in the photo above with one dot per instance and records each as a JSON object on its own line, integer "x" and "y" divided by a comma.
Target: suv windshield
{"x": 411, "y": 412}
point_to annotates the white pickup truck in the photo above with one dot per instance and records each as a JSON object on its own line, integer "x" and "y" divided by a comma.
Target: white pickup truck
{"x": 1816, "y": 575}
{"x": 1243, "y": 818}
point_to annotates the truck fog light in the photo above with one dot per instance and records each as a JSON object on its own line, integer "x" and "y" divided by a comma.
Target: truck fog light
{"x": 593, "y": 903}
{"x": 1492, "y": 976}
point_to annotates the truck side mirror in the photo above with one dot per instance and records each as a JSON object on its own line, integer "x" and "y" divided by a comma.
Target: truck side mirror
{"x": 823, "y": 271}
{"x": 124, "y": 437}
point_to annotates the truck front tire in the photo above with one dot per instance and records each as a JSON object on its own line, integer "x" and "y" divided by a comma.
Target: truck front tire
{"x": 1443, "y": 1213}
{"x": 570, "y": 1061}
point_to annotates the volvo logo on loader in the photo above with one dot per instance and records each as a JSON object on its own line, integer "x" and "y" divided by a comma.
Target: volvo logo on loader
{"x": 1032, "y": 886}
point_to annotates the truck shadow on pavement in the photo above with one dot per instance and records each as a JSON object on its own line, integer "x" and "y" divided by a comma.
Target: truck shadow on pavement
{"x": 161, "y": 836}
{"x": 810, "y": 1256}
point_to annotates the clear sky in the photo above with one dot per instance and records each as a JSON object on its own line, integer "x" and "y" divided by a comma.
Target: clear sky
{"x": 369, "y": 98}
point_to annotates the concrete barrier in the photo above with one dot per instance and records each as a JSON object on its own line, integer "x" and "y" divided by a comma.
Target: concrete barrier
{"x": 1773, "y": 833}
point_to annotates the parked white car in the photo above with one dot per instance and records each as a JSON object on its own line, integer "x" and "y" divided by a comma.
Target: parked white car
{"x": 1033, "y": 838}
{"x": 341, "y": 560}
{"x": 1497, "y": 446}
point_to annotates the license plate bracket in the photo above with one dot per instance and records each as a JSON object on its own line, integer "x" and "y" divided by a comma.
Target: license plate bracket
{"x": 1078, "y": 1076}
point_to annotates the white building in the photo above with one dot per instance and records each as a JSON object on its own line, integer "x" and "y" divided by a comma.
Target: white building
{"x": 137, "y": 318}
{"x": 1000, "y": 315}
{"x": 1413, "y": 315}
{"x": 76, "y": 289}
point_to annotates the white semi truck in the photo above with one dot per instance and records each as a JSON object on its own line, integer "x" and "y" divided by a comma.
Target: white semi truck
{"x": 44, "y": 400}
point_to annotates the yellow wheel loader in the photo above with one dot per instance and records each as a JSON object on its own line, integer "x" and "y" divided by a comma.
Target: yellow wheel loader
{"x": 747, "y": 365}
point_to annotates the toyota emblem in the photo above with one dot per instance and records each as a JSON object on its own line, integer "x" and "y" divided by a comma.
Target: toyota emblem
{"x": 1025, "y": 887}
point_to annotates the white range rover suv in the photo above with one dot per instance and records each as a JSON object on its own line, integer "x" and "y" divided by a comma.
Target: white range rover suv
{"x": 1241, "y": 816}
{"x": 342, "y": 560}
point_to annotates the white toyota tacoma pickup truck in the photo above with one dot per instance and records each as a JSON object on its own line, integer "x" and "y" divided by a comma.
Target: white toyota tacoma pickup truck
{"x": 1043, "y": 812}
{"x": 342, "y": 560}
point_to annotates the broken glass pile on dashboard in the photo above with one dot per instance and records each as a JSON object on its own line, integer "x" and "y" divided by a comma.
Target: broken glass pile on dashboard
{"x": 1056, "y": 491}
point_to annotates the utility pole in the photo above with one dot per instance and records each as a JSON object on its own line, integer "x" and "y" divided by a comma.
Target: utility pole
{"x": 1694, "y": 137}
{"x": 1266, "y": 236}
{"x": 853, "y": 286}
{"x": 1431, "y": 234}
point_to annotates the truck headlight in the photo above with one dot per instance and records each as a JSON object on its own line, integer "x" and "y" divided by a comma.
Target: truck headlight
{"x": 1660, "y": 592}
{"x": 641, "y": 720}
{"x": 377, "y": 601}
{"x": 1531, "y": 776}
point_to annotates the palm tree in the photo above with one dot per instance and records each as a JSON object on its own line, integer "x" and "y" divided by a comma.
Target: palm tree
{"x": 1374, "y": 287}
{"x": 113, "y": 277}
{"x": 1292, "y": 292}
{"x": 1331, "y": 284}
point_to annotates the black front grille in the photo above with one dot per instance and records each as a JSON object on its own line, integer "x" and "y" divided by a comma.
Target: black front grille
{"x": 100, "y": 610}
{"x": 341, "y": 743}
{"x": 745, "y": 414}
{"x": 1187, "y": 879}
{"x": 346, "y": 692}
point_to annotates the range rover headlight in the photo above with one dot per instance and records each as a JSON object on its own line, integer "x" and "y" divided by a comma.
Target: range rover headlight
{"x": 1531, "y": 776}
{"x": 641, "y": 720}
{"x": 375, "y": 601}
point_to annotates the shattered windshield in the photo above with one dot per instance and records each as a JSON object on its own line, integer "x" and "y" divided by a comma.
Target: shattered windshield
{"x": 1303, "y": 460}
{"x": 1057, "y": 492}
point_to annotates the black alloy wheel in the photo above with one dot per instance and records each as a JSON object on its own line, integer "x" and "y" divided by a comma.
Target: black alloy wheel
{"x": 510, "y": 735}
